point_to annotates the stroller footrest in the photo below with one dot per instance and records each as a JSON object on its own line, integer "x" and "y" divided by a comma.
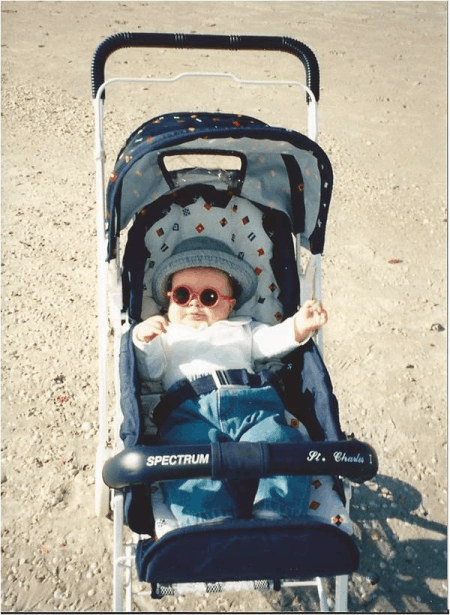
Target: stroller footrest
{"x": 239, "y": 550}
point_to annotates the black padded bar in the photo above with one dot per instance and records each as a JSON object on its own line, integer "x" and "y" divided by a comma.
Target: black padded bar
{"x": 349, "y": 458}
{"x": 123, "y": 40}
{"x": 146, "y": 464}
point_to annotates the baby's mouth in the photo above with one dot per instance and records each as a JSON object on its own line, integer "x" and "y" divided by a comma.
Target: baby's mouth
{"x": 196, "y": 314}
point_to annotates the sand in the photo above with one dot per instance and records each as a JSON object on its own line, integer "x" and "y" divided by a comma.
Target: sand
{"x": 383, "y": 124}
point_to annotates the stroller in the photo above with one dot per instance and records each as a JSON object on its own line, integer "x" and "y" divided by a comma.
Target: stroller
{"x": 265, "y": 191}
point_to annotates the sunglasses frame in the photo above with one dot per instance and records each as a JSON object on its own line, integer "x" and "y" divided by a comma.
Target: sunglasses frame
{"x": 197, "y": 294}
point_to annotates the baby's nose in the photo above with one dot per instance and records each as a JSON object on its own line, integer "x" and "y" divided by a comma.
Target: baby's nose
{"x": 195, "y": 299}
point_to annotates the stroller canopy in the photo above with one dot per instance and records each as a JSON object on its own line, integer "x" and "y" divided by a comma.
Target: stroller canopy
{"x": 280, "y": 169}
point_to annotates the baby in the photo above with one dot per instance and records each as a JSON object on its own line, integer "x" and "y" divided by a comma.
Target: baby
{"x": 202, "y": 283}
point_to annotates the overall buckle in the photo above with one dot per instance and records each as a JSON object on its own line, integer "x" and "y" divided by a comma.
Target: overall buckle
{"x": 222, "y": 380}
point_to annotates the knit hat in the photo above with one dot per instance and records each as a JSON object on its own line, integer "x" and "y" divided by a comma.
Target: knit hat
{"x": 204, "y": 252}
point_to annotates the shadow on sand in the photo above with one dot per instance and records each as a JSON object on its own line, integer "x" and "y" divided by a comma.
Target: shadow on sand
{"x": 396, "y": 575}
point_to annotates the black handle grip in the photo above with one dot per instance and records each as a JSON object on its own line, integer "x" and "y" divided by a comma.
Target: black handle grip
{"x": 122, "y": 40}
{"x": 146, "y": 464}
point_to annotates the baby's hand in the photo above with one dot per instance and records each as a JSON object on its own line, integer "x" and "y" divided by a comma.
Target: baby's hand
{"x": 152, "y": 327}
{"x": 310, "y": 317}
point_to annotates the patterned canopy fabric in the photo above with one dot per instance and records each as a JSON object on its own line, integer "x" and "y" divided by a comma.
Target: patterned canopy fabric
{"x": 280, "y": 169}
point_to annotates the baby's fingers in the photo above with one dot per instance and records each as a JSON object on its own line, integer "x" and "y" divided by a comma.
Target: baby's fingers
{"x": 314, "y": 314}
{"x": 312, "y": 307}
{"x": 323, "y": 316}
{"x": 161, "y": 322}
{"x": 153, "y": 327}
{"x": 319, "y": 313}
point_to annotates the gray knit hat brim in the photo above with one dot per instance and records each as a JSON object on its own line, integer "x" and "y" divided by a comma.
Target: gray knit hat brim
{"x": 204, "y": 252}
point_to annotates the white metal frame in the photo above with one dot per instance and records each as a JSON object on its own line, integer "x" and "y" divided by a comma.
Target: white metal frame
{"x": 110, "y": 318}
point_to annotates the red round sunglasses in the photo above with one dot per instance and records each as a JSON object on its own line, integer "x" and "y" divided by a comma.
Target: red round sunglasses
{"x": 209, "y": 297}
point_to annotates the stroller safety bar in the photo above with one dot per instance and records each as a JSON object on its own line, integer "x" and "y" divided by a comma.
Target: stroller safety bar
{"x": 219, "y": 460}
{"x": 204, "y": 41}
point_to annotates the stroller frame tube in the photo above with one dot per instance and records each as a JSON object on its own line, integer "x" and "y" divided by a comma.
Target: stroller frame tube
{"x": 102, "y": 274}
{"x": 119, "y": 559}
{"x": 108, "y": 275}
{"x": 312, "y": 104}
{"x": 204, "y": 41}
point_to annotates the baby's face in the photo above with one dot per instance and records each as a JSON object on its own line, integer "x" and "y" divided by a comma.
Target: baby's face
{"x": 193, "y": 312}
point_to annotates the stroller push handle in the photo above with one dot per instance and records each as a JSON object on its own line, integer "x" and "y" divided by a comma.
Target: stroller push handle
{"x": 123, "y": 40}
{"x": 146, "y": 464}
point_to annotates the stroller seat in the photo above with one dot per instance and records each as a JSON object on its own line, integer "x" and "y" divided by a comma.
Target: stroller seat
{"x": 207, "y": 553}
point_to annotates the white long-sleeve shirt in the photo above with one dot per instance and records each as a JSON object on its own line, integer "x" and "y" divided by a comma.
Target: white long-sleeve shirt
{"x": 236, "y": 343}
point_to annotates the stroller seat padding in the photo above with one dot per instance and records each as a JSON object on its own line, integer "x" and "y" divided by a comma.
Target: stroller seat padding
{"x": 238, "y": 550}
{"x": 240, "y": 226}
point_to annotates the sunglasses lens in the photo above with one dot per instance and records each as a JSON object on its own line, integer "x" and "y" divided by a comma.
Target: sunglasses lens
{"x": 181, "y": 295}
{"x": 209, "y": 297}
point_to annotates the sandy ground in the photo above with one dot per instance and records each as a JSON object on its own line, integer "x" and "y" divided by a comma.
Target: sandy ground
{"x": 382, "y": 122}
